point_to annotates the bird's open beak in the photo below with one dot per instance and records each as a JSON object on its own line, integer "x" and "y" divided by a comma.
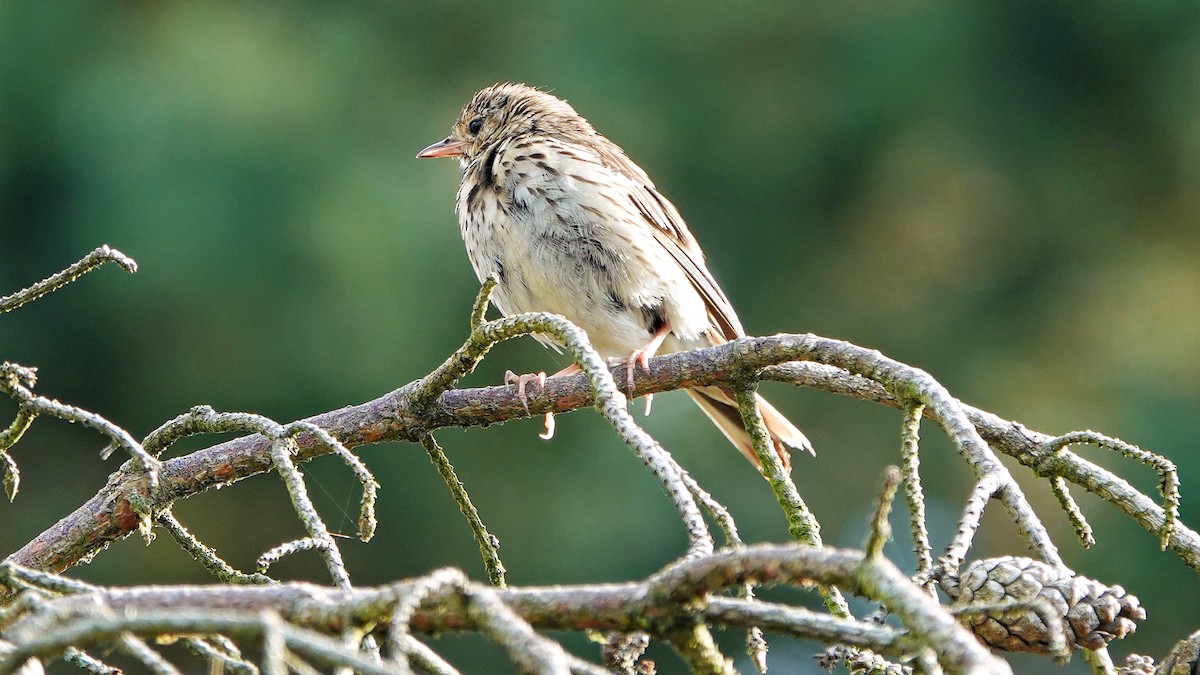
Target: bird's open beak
{"x": 446, "y": 148}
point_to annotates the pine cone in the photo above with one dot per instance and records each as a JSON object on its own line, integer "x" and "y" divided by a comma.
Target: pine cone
{"x": 1091, "y": 613}
{"x": 1136, "y": 664}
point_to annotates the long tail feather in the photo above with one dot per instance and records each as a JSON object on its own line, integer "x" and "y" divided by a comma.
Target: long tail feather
{"x": 721, "y": 407}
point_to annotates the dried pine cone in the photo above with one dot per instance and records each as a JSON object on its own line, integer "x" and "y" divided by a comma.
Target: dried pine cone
{"x": 623, "y": 652}
{"x": 1136, "y": 664}
{"x": 1092, "y": 614}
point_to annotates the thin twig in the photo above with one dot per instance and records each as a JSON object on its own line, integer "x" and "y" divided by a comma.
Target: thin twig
{"x": 222, "y": 651}
{"x": 367, "y": 521}
{"x": 806, "y": 624}
{"x": 488, "y": 543}
{"x": 881, "y": 529}
{"x": 694, "y": 642}
{"x": 12, "y": 383}
{"x": 914, "y": 494}
{"x": 479, "y": 309}
{"x": 1168, "y": 476}
{"x": 968, "y": 524}
{"x": 88, "y": 663}
{"x": 802, "y": 524}
{"x": 56, "y": 281}
{"x": 281, "y": 452}
{"x": 281, "y": 551}
{"x": 207, "y": 557}
{"x": 152, "y": 660}
{"x": 1083, "y": 529}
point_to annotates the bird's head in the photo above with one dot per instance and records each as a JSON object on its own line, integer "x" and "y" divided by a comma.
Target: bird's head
{"x": 504, "y": 111}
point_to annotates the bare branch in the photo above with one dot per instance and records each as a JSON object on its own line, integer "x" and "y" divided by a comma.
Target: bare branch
{"x": 207, "y": 557}
{"x": 914, "y": 493}
{"x": 677, "y": 596}
{"x": 56, "y": 281}
{"x": 488, "y": 543}
{"x": 106, "y": 516}
{"x": 881, "y": 530}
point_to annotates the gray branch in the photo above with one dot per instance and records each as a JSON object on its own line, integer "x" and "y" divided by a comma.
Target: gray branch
{"x": 677, "y": 598}
{"x": 106, "y": 516}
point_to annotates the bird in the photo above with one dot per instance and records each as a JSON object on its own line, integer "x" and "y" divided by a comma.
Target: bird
{"x": 566, "y": 223}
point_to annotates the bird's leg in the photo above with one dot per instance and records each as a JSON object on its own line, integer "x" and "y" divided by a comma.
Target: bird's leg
{"x": 641, "y": 357}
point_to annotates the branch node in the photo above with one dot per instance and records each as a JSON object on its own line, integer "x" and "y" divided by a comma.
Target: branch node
{"x": 1168, "y": 476}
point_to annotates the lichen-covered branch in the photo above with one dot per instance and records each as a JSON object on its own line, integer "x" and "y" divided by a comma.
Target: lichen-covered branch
{"x": 489, "y": 545}
{"x": 421, "y": 397}
{"x": 108, "y": 516}
{"x": 667, "y": 605}
{"x": 56, "y": 281}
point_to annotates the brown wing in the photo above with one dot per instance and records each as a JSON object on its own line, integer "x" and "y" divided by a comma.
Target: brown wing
{"x": 672, "y": 234}
{"x": 687, "y": 253}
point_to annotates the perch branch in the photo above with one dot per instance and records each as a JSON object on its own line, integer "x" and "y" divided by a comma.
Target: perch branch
{"x": 107, "y": 516}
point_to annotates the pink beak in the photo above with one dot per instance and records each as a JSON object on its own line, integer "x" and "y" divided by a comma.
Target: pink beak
{"x": 446, "y": 148}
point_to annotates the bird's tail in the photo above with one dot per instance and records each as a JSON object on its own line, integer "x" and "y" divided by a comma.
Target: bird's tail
{"x": 721, "y": 407}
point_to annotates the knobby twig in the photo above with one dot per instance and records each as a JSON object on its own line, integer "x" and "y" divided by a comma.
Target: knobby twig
{"x": 1168, "y": 477}
{"x": 1030, "y": 449}
{"x": 914, "y": 494}
{"x": 489, "y": 545}
{"x": 207, "y": 557}
{"x": 16, "y": 381}
{"x": 56, "y": 281}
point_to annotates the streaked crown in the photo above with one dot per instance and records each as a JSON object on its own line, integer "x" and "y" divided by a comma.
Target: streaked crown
{"x": 506, "y": 110}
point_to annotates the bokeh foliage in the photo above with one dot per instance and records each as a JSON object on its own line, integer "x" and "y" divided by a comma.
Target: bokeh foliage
{"x": 1002, "y": 193}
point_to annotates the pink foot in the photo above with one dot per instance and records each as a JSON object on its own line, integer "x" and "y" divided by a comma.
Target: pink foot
{"x": 522, "y": 381}
{"x": 642, "y": 356}
{"x": 638, "y": 359}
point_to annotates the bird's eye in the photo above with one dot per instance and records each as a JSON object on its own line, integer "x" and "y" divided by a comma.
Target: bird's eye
{"x": 475, "y": 125}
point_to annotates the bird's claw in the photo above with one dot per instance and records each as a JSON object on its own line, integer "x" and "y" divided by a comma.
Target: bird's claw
{"x": 639, "y": 358}
{"x": 522, "y": 381}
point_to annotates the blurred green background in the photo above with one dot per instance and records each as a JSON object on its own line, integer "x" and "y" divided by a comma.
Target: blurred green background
{"x": 1001, "y": 193}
